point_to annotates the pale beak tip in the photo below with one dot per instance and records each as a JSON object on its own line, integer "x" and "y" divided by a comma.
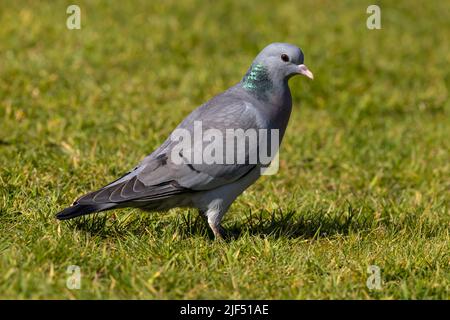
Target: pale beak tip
{"x": 305, "y": 71}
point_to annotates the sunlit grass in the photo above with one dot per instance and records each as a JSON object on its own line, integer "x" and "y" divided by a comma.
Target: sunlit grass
{"x": 364, "y": 176}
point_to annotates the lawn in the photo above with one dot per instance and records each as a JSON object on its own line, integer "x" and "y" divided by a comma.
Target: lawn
{"x": 364, "y": 177}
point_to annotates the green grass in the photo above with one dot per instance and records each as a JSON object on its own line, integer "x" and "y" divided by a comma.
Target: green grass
{"x": 365, "y": 170}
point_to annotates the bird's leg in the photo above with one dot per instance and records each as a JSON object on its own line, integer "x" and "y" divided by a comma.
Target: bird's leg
{"x": 214, "y": 223}
{"x": 204, "y": 216}
{"x": 219, "y": 232}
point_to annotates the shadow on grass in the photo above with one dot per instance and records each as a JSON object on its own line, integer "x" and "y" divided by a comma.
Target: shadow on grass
{"x": 107, "y": 225}
{"x": 278, "y": 224}
{"x": 306, "y": 225}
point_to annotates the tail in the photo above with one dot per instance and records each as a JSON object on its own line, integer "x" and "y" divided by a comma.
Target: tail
{"x": 82, "y": 209}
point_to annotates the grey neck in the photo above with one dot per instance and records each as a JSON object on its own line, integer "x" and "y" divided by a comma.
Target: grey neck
{"x": 259, "y": 82}
{"x": 257, "y": 79}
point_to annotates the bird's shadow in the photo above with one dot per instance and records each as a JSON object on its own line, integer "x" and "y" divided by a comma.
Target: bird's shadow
{"x": 278, "y": 224}
{"x": 303, "y": 225}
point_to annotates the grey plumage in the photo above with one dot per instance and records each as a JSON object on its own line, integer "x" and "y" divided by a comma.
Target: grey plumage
{"x": 262, "y": 100}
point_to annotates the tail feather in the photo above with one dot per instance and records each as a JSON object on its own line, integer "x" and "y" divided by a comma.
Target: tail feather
{"x": 83, "y": 209}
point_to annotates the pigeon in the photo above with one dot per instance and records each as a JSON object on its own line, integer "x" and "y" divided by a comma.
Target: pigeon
{"x": 169, "y": 178}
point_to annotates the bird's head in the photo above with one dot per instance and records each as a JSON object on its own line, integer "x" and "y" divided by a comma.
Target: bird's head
{"x": 283, "y": 60}
{"x": 276, "y": 62}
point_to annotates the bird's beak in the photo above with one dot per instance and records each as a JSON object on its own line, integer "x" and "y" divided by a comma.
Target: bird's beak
{"x": 302, "y": 69}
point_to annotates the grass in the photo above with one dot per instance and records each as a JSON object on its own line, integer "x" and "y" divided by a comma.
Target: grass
{"x": 365, "y": 170}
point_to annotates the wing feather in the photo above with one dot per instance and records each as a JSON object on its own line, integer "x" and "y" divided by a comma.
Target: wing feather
{"x": 157, "y": 177}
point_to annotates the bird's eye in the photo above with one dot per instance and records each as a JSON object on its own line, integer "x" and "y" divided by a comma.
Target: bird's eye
{"x": 285, "y": 57}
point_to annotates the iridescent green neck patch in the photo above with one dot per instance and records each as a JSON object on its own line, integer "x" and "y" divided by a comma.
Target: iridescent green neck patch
{"x": 257, "y": 79}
